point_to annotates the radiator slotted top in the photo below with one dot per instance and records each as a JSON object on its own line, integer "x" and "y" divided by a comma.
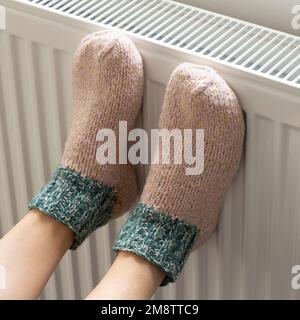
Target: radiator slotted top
{"x": 239, "y": 43}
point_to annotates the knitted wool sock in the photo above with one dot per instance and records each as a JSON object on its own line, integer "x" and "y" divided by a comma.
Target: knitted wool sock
{"x": 178, "y": 212}
{"x": 107, "y": 88}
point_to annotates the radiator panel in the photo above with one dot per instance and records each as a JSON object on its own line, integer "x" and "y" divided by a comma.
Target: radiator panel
{"x": 241, "y": 44}
{"x": 257, "y": 242}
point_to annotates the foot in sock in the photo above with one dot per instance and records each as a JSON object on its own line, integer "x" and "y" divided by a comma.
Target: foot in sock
{"x": 178, "y": 212}
{"x": 107, "y": 88}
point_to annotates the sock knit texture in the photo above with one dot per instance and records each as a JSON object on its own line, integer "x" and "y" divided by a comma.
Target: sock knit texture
{"x": 107, "y": 88}
{"x": 178, "y": 212}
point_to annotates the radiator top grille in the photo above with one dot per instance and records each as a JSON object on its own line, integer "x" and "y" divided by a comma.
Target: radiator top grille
{"x": 239, "y": 43}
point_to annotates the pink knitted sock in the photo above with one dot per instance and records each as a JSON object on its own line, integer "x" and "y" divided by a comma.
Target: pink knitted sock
{"x": 178, "y": 212}
{"x": 107, "y": 88}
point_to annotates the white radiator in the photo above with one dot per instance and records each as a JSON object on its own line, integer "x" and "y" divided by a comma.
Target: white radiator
{"x": 258, "y": 241}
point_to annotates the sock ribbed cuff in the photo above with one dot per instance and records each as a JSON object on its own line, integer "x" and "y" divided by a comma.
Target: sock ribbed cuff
{"x": 80, "y": 203}
{"x": 162, "y": 240}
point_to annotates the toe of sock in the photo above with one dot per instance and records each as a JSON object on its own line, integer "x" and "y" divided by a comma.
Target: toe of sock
{"x": 193, "y": 78}
{"x": 103, "y": 44}
{"x": 202, "y": 85}
{"x": 109, "y": 58}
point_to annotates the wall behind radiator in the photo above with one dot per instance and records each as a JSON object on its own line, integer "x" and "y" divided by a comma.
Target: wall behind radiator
{"x": 275, "y": 14}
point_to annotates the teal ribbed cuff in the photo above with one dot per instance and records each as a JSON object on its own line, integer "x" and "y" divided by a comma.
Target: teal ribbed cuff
{"x": 80, "y": 203}
{"x": 162, "y": 240}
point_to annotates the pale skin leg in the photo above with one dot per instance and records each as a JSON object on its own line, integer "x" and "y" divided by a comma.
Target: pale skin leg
{"x": 29, "y": 252}
{"x": 32, "y": 249}
{"x": 130, "y": 277}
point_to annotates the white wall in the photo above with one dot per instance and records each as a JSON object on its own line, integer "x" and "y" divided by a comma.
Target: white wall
{"x": 275, "y": 14}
